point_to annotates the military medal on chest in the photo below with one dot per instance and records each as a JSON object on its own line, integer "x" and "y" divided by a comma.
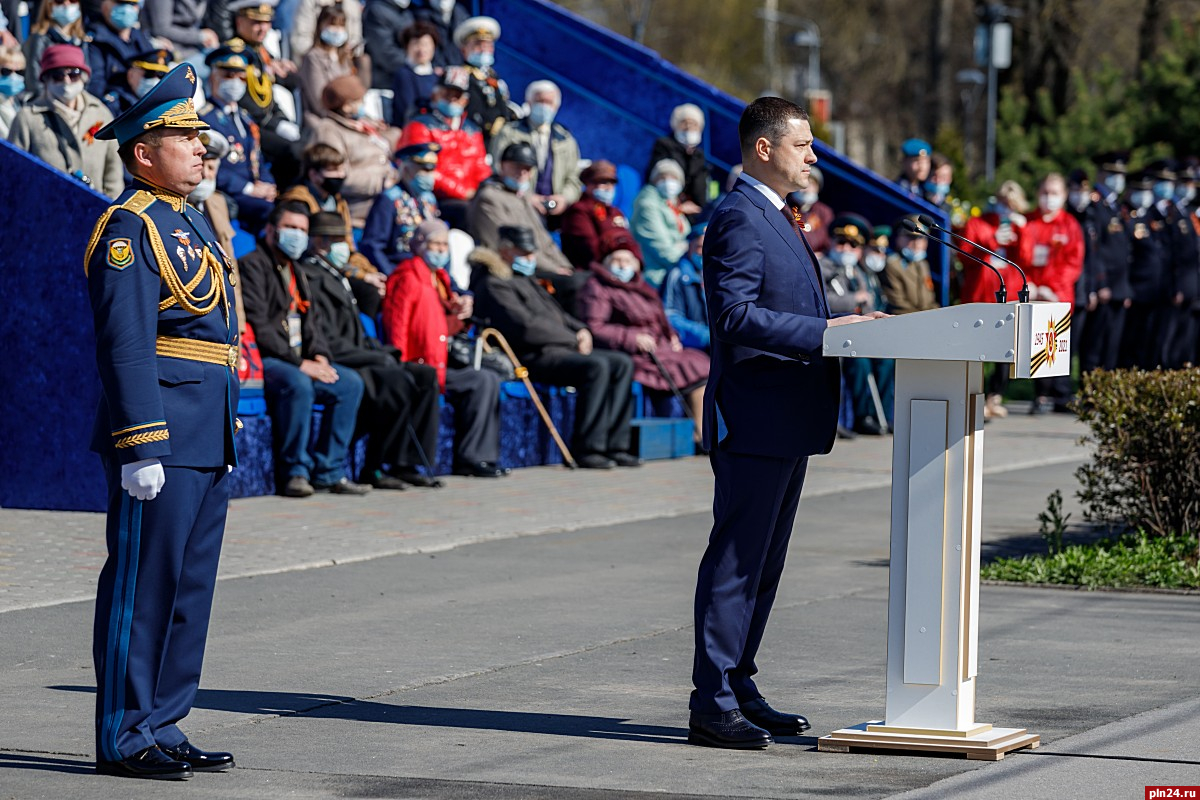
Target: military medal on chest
{"x": 185, "y": 245}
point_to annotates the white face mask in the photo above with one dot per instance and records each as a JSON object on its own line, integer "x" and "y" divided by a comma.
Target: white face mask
{"x": 146, "y": 85}
{"x": 1079, "y": 200}
{"x": 203, "y": 191}
{"x": 403, "y": 3}
{"x": 1052, "y": 202}
{"x": 64, "y": 92}
{"x": 231, "y": 90}
{"x": 669, "y": 188}
{"x": 1143, "y": 198}
{"x": 689, "y": 138}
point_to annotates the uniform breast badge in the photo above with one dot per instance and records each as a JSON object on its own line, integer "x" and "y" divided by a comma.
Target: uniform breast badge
{"x": 120, "y": 253}
{"x": 185, "y": 241}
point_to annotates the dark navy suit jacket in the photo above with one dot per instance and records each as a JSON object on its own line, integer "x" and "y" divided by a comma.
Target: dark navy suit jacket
{"x": 774, "y": 393}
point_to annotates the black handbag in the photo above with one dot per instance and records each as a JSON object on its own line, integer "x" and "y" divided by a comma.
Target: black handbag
{"x": 467, "y": 351}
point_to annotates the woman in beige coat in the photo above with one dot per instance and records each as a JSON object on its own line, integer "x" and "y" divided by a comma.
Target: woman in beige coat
{"x": 59, "y": 127}
{"x": 366, "y": 144}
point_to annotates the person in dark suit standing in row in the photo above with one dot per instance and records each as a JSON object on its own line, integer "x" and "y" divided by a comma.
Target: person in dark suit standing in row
{"x": 772, "y": 402}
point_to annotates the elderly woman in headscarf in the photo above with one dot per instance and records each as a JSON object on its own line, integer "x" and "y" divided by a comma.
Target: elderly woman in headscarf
{"x": 624, "y": 313}
{"x": 659, "y": 223}
{"x": 422, "y": 310}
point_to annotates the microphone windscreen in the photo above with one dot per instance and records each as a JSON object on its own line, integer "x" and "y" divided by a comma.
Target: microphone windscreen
{"x": 926, "y": 220}
{"x": 910, "y": 226}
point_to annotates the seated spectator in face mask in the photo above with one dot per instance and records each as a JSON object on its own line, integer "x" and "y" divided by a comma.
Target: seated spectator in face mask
{"x": 659, "y": 221}
{"x": 321, "y": 190}
{"x": 444, "y": 16}
{"x": 683, "y": 293}
{"x": 397, "y": 213}
{"x": 215, "y": 207}
{"x": 817, "y": 216}
{"x": 115, "y": 42}
{"x": 587, "y": 221}
{"x": 683, "y": 147}
{"x": 555, "y": 178}
{"x": 422, "y": 311}
{"x": 141, "y": 75}
{"x": 556, "y": 348}
{"x": 400, "y": 403}
{"x": 462, "y": 161}
{"x": 56, "y": 23}
{"x": 625, "y": 313}
{"x": 366, "y": 144}
{"x": 305, "y": 28}
{"x": 330, "y": 57}
{"x": 60, "y": 126}
{"x": 907, "y": 283}
{"x": 417, "y": 77}
{"x": 12, "y": 86}
{"x": 503, "y": 200}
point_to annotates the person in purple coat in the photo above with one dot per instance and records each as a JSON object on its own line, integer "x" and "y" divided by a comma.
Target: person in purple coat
{"x": 625, "y": 313}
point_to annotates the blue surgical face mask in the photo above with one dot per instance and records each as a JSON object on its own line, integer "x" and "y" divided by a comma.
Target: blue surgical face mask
{"x": 669, "y": 188}
{"x": 424, "y": 180}
{"x": 125, "y": 16}
{"x": 1184, "y": 193}
{"x": 12, "y": 85}
{"x": 525, "y": 265}
{"x": 448, "y": 109}
{"x": 520, "y": 187}
{"x": 623, "y": 274}
{"x": 339, "y": 254}
{"x": 334, "y": 37}
{"x": 292, "y": 242}
{"x": 65, "y": 14}
{"x": 936, "y": 190}
{"x": 542, "y": 113}
{"x": 843, "y": 258}
{"x": 605, "y": 194}
{"x": 913, "y": 256}
{"x": 1164, "y": 190}
{"x": 146, "y": 85}
{"x": 1115, "y": 183}
{"x": 438, "y": 260}
{"x": 481, "y": 60}
{"x": 1141, "y": 198}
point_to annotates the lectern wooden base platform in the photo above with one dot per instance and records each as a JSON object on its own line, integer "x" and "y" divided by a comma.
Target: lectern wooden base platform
{"x": 937, "y": 500}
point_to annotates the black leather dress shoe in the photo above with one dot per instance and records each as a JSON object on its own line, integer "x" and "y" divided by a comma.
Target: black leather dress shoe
{"x": 151, "y": 763}
{"x": 411, "y": 476}
{"x": 776, "y": 722}
{"x": 730, "y": 730}
{"x": 625, "y": 459}
{"x": 480, "y": 469}
{"x": 596, "y": 461}
{"x": 198, "y": 759}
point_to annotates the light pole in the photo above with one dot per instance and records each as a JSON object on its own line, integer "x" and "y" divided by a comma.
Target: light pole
{"x": 993, "y": 49}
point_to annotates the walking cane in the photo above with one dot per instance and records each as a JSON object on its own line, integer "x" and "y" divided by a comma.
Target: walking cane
{"x": 874, "y": 387}
{"x": 523, "y": 374}
{"x": 674, "y": 389}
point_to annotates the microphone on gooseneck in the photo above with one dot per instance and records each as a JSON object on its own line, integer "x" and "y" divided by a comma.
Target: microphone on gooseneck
{"x": 1022, "y": 295}
{"x": 912, "y": 227}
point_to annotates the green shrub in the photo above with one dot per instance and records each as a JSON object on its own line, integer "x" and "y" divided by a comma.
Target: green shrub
{"x": 1136, "y": 560}
{"x": 1145, "y": 471}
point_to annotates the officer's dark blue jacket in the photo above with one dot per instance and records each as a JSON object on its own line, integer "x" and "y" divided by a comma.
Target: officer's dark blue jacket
{"x": 109, "y": 56}
{"x": 152, "y": 265}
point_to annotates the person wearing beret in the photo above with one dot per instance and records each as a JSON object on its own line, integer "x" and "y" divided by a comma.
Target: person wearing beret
{"x": 60, "y": 126}
{"x": 916, "y": 164}
{"x": 396, "y": 214}
{"x": 556, "y": 347}
{"x": 587, "y": 220}
{"x": 487, "y": 93}
{"x": 246, "y": 175}
{"x": 116, "y": 41}
{"x": 161, "y": 291}
{"x": 367, "y": 144}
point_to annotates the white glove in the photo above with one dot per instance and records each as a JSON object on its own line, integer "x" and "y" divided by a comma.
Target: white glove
{"x": 143, "y": 479}
{"x": 288, "y": 131}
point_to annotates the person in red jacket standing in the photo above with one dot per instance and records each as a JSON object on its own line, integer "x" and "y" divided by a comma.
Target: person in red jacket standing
{"x": 1051, "y": 253}
{"x": 421, "y": 311}
{"x": 462, "y": 161}
{"x": 998, "y": 229}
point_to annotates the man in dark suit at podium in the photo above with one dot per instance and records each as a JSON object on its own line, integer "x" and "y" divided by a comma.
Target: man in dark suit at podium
{"x": 773, "y": 402}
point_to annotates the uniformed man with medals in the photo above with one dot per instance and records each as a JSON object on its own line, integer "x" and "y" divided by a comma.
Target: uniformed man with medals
{"x": 161, "y": 291}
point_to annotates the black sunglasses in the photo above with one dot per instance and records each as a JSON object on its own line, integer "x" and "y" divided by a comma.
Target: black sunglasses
{"x": 5, "y": 72}
{"x": 63, "y": 73}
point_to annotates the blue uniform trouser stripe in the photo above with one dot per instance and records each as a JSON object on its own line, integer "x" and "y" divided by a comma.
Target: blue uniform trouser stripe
{"x": 127, "y": 542}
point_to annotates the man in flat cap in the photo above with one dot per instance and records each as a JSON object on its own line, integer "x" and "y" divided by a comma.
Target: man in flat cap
{"x": 162, "y": 297}
{"x": 487, "y": 95}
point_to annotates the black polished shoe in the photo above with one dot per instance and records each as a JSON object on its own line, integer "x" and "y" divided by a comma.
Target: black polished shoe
{"x": 411, "y": 476}
{"x": 596, "y": 461}
{"x": 845, "y": 433}
{"x": 625, "y": 459}
{"x": 730, "y": 730}
{"x": 199, "y": 760}
{"x": 868, "y": 426}
{"x": 343, "y": 486}
{"x": 381, "y": 480}
{"x": 775, "y": 722}
{"x": 480, "y": 469}
{"x": 151, "y": 763}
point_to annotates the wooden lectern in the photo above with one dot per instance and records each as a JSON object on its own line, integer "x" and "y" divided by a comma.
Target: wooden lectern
{"x": 937, "y": 483}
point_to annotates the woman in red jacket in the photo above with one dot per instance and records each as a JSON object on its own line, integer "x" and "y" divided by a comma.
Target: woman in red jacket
{"x": 422, "y": 310}
{"x": 999, "y": 229}
{"x": 1051, "y": 253}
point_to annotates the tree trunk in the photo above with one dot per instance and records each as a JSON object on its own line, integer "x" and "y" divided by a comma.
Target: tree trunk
{"x": 1148, "y": 32}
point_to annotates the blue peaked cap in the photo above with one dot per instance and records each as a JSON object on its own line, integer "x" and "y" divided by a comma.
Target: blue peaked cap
{"x": 167, "y": 105}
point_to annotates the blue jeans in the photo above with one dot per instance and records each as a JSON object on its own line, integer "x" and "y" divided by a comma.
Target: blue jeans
{"x": 290, "y": 397}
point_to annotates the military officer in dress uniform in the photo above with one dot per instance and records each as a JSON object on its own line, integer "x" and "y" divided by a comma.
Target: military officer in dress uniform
{"x": 487, "y": 96}
{"x": 245, "y": 176}
{"x": 1106, "y": 323}
{"x": 395, "y": 214}
{"x": 1148, "y": 278}
{"x": 143, "y": 72}
{"x": 161, "y": 291}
